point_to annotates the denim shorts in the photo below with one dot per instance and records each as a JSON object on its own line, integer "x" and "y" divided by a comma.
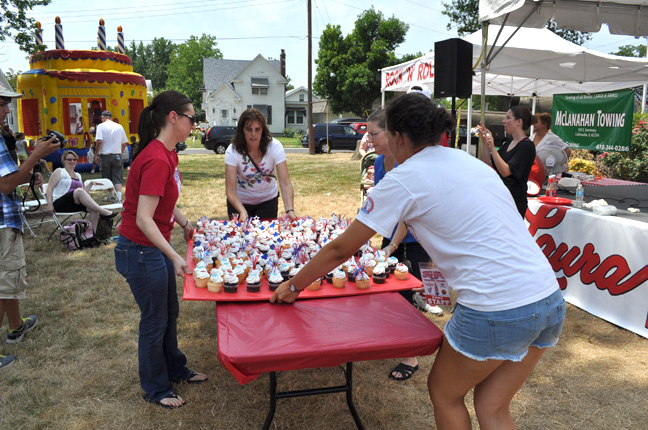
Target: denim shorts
{"x": 508, "y": 334}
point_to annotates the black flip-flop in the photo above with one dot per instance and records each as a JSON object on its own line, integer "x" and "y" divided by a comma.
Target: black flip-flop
{"x": 405, "y": 371}
{"x": 171, "y": 395}
{"x": 188, "y": 379}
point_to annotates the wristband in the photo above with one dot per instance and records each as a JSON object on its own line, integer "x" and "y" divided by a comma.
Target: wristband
{"x": 186, "y": 224}
{"x": 290, "y": 210}
{"x": 294, "y": 289}
{"x": 393, "y": 244}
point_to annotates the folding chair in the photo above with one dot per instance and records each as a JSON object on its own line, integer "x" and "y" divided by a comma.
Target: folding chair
{"x": 104, "y": 184}
{"x": 31, "y": 206}
{"x": 58, "y": 216}
{"x": 367, "y": 161}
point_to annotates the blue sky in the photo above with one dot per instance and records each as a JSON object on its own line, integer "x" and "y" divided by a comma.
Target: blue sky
{"x": 244, "y": 29}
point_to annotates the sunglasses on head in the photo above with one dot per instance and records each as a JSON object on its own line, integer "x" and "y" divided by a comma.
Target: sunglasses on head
{"x": 191, "y": 118}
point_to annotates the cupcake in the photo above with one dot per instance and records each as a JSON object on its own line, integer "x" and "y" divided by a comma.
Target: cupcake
{"x": 362, "y": 280}
{"x": 315, "y": 285}
{"x": 391, "y": 264}
{"x": 369, "y": 266}
{"x": 231, "y": 282}
{"x": 201, "y": 276}
{"x": 239, "y": 271}
{"x": 401, "y": 272}
{"x": 339, "y": 279}
{"x": 253, "y": 282}
{"x": 274, "y": 280}
{"x": 385, "y": 268}
{"x": 352, "y": 270}
{"x": 293, "y": 272}
{"x": 329, "y": 276}
{"x": 215, "y": 283}
{"x": 379, "y": 274}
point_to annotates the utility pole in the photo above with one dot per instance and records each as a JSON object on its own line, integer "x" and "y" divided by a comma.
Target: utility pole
{"x": 311, "y": 130}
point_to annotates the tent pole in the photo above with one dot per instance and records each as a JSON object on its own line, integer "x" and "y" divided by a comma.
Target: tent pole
{"x": 483, "y": 83}
{"x": 382, "y": 93}
{"x": 469, "y": 124}
{"x": 643, "y": 95}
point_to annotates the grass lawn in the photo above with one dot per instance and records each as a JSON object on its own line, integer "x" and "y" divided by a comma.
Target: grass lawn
{"x": 78, "y": 368}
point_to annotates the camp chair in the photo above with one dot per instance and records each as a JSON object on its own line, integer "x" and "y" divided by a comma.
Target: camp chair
{"x": 31, "y": 205}
{"x": 367, "y": 161}
{"x": 61, "y": 218}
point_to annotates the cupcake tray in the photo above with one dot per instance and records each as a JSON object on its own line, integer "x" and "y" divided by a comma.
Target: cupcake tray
{"x": 191, "y": 292}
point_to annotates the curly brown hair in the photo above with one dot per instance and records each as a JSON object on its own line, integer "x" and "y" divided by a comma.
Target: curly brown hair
{"x": 239, "y": 141}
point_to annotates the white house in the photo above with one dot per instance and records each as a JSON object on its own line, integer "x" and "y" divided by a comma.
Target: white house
{"x": 296, "y": 108}
{"x": 231, "y": 86}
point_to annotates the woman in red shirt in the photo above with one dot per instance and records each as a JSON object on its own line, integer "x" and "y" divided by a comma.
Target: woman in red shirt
{"x": 143, "y": 254}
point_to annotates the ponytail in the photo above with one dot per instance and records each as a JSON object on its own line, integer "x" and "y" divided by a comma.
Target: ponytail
{"x": 153, "y": 117}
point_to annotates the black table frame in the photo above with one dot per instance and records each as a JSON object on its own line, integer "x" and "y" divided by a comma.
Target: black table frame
{"x": 274, "y": 395}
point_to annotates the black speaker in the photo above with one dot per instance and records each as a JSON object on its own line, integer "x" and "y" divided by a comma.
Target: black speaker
{"x": 453, "y": 68}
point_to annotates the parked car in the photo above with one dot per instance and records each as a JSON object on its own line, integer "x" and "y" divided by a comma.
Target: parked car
{"x": 218, "y": 137}
{"x": 360, "y": 127}
{"x": 203, "y": 126}
{"x": 339, "y": 137}
{"x": 347, "y": 121}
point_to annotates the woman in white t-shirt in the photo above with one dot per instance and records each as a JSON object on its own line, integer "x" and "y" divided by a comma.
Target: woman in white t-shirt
{"x": 250, "y": 162}
{"x": 509, "y": 306}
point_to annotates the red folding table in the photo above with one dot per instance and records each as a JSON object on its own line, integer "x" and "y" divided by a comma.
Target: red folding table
{"x": 259, "y": 337}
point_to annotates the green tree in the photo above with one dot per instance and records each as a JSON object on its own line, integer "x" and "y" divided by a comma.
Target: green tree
{"x": 12, "y": 77}
{"x": 347, "y": 67}
{"x": 16, "y": 25}
{"x": 465, "y": 15}
{"x": 638, "y": 51}
{"x": 185, "y": 72}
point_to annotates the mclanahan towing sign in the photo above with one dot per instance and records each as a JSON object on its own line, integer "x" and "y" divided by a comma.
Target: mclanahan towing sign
{"x": 597, "y": 121}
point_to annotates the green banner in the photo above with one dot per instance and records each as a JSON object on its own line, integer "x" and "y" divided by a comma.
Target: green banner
{"x": 597, "y": 121}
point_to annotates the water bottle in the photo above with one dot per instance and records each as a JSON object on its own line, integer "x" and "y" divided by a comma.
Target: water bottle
{"x": 580, "y": 194}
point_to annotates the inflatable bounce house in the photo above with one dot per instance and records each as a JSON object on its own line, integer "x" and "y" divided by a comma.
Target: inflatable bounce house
{"x": 66, "y": 91}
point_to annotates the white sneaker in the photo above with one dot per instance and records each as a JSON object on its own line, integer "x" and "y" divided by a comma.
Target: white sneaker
{"x": 420, "y": 303}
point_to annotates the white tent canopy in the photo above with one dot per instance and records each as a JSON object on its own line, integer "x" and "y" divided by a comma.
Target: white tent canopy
{"x": 533, "y": 62}
{"x": 622, "y": 16}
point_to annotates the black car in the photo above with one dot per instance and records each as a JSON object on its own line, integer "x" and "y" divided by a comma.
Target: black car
{"x": 218, "y": 137}
{"x": 339, "y": 137}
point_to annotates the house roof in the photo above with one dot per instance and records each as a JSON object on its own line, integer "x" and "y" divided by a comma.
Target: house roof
{"x": 217, "y": 72}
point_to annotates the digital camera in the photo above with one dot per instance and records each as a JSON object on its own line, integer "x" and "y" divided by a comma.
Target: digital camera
{"x": 59, "y": 138}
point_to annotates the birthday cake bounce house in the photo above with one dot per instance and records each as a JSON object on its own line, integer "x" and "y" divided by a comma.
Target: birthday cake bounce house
{"x": 67, "y": 90}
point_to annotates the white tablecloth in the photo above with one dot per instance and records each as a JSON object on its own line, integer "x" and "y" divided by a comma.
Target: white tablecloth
{"x": 600, "y": 261}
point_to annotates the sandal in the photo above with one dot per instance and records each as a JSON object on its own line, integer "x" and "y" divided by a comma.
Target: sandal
{"x": 195, "y": 381}
{"x": 405, "y": 371}
{"x": 188, "y": 379}
{"x": 171, "y": 395}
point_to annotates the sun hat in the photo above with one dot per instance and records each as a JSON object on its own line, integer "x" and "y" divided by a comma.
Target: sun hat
{"x": 5, "y": 92}
{"x": 106, "y": 113}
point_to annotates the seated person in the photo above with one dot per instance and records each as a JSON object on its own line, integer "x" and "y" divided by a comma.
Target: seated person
{"x": 365, "y": 145}
{"x": 65, "y": 192}
{"x": 550, "y": 148}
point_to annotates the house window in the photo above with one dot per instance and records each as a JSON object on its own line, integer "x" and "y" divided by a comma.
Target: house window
{"x": 301, "y": 97}
{"x": 266, "y": 110}
{"x": 260, "y": 86}
{"x": 224, "y": 113}
{"x": 295, "y": 117}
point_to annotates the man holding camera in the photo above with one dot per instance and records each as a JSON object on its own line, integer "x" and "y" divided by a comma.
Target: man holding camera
{"x": 12, "y": 253}
{"x": 111, "y": 140}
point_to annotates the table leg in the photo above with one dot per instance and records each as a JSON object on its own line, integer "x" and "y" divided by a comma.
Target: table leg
{"x": 347, "y": 388}
{"x": 349, "y": 396}
{"x": 273, "y": 400}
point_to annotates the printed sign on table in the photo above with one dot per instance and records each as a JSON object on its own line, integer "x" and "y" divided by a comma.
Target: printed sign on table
{"x": 437, "y": 291}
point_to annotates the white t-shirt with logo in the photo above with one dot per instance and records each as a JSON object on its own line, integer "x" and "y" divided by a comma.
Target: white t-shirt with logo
{"x": 112, "y": 135}
{"x": 459, "y": 210}
{"x": 254, "y": 187}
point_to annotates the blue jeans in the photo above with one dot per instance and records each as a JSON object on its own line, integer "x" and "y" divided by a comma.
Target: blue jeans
{"x": 151, "y": 277}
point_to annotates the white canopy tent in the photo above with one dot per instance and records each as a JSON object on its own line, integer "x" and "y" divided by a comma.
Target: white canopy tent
{"x": 622, "y": 16}
{"x": 534, "y": 62}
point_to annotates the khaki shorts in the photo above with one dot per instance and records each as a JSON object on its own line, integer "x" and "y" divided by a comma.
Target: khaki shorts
{"x": 12, "y": 264}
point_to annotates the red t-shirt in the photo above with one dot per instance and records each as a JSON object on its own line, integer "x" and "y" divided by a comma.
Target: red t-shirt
{"x": 153, "y": 173}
